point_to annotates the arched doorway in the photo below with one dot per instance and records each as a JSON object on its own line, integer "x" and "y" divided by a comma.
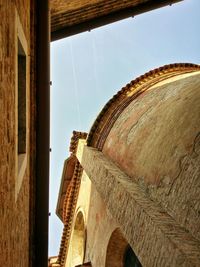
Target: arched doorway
{"x": 130, "y": 259}
{"x": 119, "y": 252}
{"x": 78, "y": 241}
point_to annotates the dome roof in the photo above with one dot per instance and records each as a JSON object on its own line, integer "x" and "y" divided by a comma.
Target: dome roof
{"x": 151, "y": 130}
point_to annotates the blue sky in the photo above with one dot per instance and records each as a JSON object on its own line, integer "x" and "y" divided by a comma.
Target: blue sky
{"x": 89, "y": 68}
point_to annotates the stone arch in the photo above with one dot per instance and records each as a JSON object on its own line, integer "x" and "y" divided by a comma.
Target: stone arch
{"x": 78, "y": 240}
{"x": 119, "y": 253}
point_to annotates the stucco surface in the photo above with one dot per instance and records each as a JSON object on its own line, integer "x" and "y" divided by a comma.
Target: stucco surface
{"x": 156, "y": 142}
{"x": 100, "y": 226}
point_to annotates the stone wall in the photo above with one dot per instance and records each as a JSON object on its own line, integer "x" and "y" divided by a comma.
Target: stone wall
{"x": 14, "y": 207}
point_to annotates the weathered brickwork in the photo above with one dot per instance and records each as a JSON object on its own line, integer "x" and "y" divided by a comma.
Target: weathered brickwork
{"x": 65, "y": 13}
{"x": 14, "y": 212}
{"x": 158, "y": 140}
{"x": 115, "y": 106}
{"x": 115, "y": 249}
{"x": 70, "y": 13}
{"x": 142, "y": 157}
{"x": 156, "y": 238}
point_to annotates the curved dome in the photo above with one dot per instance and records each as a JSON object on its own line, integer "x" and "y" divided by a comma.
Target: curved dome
{"x": 151, "y": 129}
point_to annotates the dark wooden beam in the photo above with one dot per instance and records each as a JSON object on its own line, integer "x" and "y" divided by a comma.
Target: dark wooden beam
{"x": 42, "y": 133}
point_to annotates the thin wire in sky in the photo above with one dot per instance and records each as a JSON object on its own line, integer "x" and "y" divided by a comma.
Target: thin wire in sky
{"x": 94, "y": 56}
{"x": 75, "y": 85}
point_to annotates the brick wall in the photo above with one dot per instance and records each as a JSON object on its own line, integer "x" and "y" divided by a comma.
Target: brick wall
{"x": 14, "y": 212}
{"x": 148, "y": 173}
{"x": 157, "y": 137}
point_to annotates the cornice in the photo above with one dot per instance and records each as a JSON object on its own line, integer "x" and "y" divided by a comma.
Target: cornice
{"x": 70, "y": 205}
{"x": 70, "y": 200}
{"x": 74, "y": 141}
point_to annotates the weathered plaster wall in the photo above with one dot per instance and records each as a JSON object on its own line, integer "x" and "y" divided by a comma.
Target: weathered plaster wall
{"x": 100, "y": 226}
{"x": 14, "y": 213}
{"x": 157, "y": 139}
{"x": 83, "y": 207}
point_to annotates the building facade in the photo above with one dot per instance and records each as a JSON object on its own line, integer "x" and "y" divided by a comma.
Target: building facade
{"x": 129, "y": 194}
{"x": 24, "y": 113}
{"x": 24, "y": 149}
{"x": 17, "y": 89}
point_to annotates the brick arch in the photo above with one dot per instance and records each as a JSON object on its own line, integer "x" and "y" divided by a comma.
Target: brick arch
{"x": 117, "y": 249}
{"x": 116, "y": 105}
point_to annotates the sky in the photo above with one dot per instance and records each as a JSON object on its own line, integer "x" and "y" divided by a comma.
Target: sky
{"x": 87, "y": 69}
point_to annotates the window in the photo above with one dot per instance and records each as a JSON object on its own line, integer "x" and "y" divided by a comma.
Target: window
{"x": 21, "y": 89}
{"x": 21, "y": 99}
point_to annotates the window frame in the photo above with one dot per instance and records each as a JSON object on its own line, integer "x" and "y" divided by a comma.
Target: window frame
{"x": 21, "y": 159}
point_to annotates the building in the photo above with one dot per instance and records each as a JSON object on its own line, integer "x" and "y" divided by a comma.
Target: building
{"x": 17, "y": 134}
{"x": 24, "y": 115}
{"x": 129, "y": 194}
